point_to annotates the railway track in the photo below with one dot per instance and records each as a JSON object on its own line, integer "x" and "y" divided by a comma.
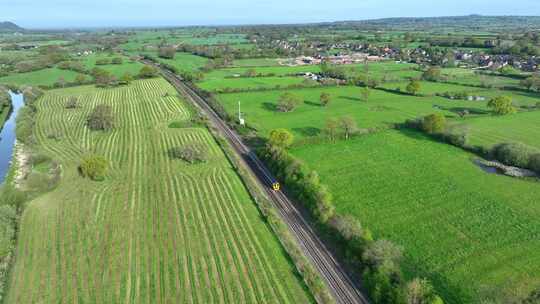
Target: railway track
{"x": 344, "y": 290}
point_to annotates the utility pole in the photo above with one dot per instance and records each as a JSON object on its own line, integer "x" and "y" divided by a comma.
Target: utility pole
{"x": 240, "y": 119}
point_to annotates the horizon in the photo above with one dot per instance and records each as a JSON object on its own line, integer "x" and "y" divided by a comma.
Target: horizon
{"x": 62, "y": 14}
{"x": 127, "y": 26}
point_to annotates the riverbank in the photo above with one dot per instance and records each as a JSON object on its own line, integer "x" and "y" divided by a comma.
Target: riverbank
{"x": 8, "y": 118}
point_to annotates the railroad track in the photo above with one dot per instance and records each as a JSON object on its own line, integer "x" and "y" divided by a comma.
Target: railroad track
{"x": 344, "y": 290}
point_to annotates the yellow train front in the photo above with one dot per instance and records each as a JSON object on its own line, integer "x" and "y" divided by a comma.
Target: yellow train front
{"x": 276, "y": 186}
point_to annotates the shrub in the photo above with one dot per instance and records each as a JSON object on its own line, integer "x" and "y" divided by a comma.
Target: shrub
{"x": 512, "y": 154}
{"x": 420, "y": 291}
{"x": 502, "y": 105}
{"x": 167, "y": 52}
{"x": 281, "y": 138}
{"x": 383, "y": 252}
{"x": 288, "y": 102}
{"x": 190, "y": 153}
{"x": 325, "y": 99}
{"x": 432, "y": 74}
{"x": 534, "y": 162}
{"x": 413, "y": 87}
{"x": 94, "y": 167}
{"x": 148, "y": 72}
{"x": 456, "y": 139}
{"x": 101, "y": 118}
{"x": 434, "y": 123}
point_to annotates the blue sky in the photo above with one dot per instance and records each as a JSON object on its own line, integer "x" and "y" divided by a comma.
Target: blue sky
{"x": 91, "y": 13}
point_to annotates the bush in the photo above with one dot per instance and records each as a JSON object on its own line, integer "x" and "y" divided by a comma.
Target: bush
{"x": 148, "y": 72}
{"x": 502, "y": 105}
{"x": 190, "y": 153}
{"x": 167, "y": 52}
{"x": 94, "y": 167}
{"x": 101, "y": 118}
{"x": 434, "y": 123}
{"x": 281, "y": 138}
{"x": 534, "y": 162}
{"x": 288, "y": 102}
{"x": 512, "y": 154}
{"x": 383, "y": 252}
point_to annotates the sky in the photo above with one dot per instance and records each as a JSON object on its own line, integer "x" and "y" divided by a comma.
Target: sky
{"x": 113, "y": 13}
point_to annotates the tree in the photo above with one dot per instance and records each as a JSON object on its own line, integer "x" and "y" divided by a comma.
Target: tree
{"x": 190, "y": 153}
{"x": 502, "y": 105}
{"x": 80, "y": 79}
{"x": 103, "y": 78}
{"x": 126, "y": 78}
{"x": 531, "y": 83}
{"x": 432, "y": 74}
{"x": 434, "y": 123}
{"x": 420, "y": 291}
{"x": 94, "y": 167}
{"x": 251, "y": 73}
{"x": 288, "y": 102}
{"x": 325, "y": 99}
{"x": 71, "y": 103}
{"x": 167, "y": 52}
{"x": 413, "y": 87}
{"x": 348, "y": 125}
{"x": 101, "y": 118}
{"x": 61, "y": 82}
{"x": 383, "y": 252}
{"x": 366, "y": 92}
{"x": 280, "y": 138}
{"x": 148, "y": 72}
{"x": 331, "y": 128}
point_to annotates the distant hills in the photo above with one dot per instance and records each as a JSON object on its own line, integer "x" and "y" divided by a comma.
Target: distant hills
{"x": 471, "y": 22}
{"x": 10, "y": 27}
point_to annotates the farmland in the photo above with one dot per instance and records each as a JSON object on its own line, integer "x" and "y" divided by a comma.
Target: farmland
{"x": 308, "y": 119}
{"x": 488, "y": 131}
{"x": 439, "y": 196}
{"x": 42, "y": 77}
{"x": 166, "y": 232}
{"x": 460, "y": 227}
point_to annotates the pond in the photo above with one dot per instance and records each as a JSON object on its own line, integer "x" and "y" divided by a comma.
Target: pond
{"x": 7, "y": 136}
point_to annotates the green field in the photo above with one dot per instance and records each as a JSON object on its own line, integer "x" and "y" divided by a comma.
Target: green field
{"x": 184, "y": 62}
{"x": 256, "y": 62}
{"x": 127, "y": 66}
{"x": 249, "y": 83}
{"x": 156, "y": 230}
{"x": 309, "y": 118}
{"x": 488, "y": 131}
{"x": 45, "y": 77}
{"x": 470, "y": 232}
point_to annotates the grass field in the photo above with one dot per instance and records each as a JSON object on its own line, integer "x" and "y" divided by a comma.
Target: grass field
{"x": 488, "y": 131}
{"x": 183, "y": 61}
{"x": 42, "y": 77}
{"x": 156, "y": 230}
{"x": 249, "y": 83}
{"x": 469, "y": 232}
{"x": 256, "y": 62}
{"x": 309, "y": 118}
{"x": 127, "y": 66}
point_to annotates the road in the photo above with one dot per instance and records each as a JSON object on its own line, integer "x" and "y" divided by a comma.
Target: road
{"x": 340, "y": 284}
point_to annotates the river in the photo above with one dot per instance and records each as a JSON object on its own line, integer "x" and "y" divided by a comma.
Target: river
{"x": 7, "y": 136}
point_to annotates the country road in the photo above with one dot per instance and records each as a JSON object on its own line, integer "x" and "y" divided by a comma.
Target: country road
{"x": 343, "y": 289}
